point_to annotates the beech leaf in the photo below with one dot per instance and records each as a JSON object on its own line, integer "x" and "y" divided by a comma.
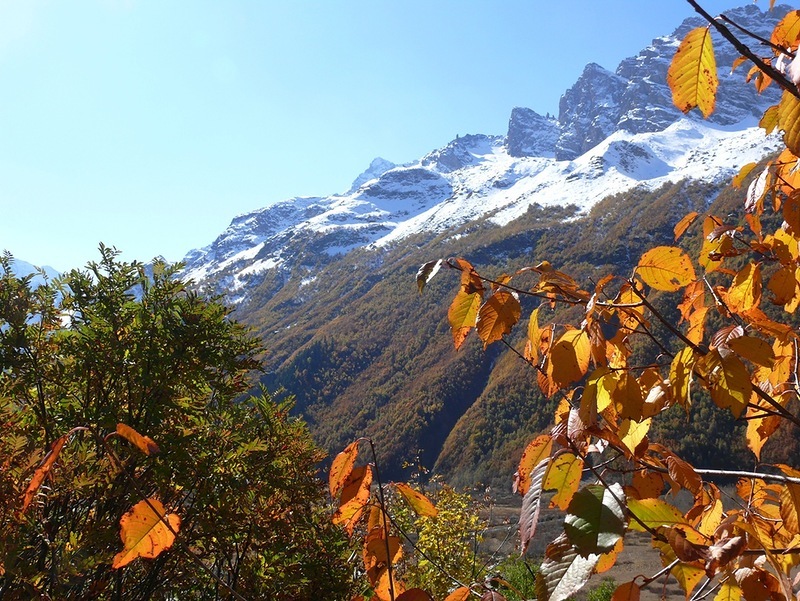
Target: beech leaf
{"x": 666, "y": 268}
{"x": 144, "y": 443}
{"x": 144, "y": 533}
{"x": 692, "y": 75}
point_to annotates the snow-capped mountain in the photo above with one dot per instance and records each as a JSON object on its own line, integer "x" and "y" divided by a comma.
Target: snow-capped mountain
{"x": 615, "y": 131}
{"x": 23, "y": 269}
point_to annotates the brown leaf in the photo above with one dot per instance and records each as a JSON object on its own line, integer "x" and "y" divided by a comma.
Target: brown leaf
{"x": 42, "y": 471}
{"x": 629, "y": 591}
{"x": 144, "y": 443}
{"x": 722, "y": 552}
{"x": 414, "y": 594}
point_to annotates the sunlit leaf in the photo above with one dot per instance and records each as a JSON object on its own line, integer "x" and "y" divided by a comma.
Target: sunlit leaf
{"x": 144, "y": 443}
{"x": 42, "y": 471}
{"x": 564, "y": 477}
{"x": 497, "y": 316}
{"x": 729, "y": 591}
{"x": 787, "y": 31}
{"x": 745, "y": 291}
{"x": 341, "y": 468}
{"x": 595, "y": 518}
{"x": 632, "y": 432}
{"x": 463, "y": 314}
{"x": 421, "y": 505}
{"x": 789, "y": 121}
{"x": 144, "y": 533}
{"x": 534, "y": 337}
{"x": 728, "y": 381}
{"x": 648, "y": 485}
{"x": 355, "y": 495}
{"x": 666, "y": 268}
{"x": 564, "y": 571}
{"x": 783, "y": 285}
{"x": 753, "y": 349}
{"x": 462, "y": 593}
{"x": 609, "y": 558}
{"x": 569, "y": 358}
{"x": 743, "y": 173}
{"x": 692, "y": 75}
{"x": 684, "y": 223}
{"x": 653, "y": 512}
{"x": 537, "y": 450}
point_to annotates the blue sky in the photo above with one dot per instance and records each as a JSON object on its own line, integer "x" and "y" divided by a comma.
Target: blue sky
{"x": 148, "y": 125}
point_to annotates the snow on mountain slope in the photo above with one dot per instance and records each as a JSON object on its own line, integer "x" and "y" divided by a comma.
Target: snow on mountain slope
{"x": 615, "y": 131}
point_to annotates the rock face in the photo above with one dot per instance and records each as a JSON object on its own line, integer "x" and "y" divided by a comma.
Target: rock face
{"x": 637, "y": 99}
{"x": 530, "y": 134}
{"x": 615, "y": 130}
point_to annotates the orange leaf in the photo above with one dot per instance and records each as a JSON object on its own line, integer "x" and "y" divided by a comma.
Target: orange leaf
{"x": 42, "y": 471}
{"x": 728, "y": 380}
{"x": 787, "y": 31}
{"x": 144, "y": 443}
{"x": 462, "y": 593}
{"x": 692, "y": 75}
{"x": 783, "y": 285}
{"x": 497, "y": 316}
{"x": 462, "y": 315}
{"x": 629, "y": 591}
{"x": 684, "y": 224}
{"x": 683, "y": 473}
{"x": 608, "y": 559}
{"x": 341, "y": 468}
{"x": 355, "y": 496}
{"x": 753, "y": 349}
{"x": 539, "y": 448}
{"x": 569, "y": 358}
{"x": 414, "y": 594}
{"x": 144, "y": 533}
{"x": 419, "y": 503}
{"x": 666, "y": 268}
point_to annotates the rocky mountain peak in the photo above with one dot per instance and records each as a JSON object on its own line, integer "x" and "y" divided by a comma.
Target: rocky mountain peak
{"x": 531, "y": 134}
{"x": 376, "y": 168}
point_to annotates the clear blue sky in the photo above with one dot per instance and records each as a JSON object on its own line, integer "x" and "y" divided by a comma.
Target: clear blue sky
{"x": 148, "y": 125}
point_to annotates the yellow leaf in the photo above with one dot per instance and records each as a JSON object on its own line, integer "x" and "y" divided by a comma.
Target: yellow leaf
{"x": 341, "y": 468}
{"x": 666, "y": 268}
{"x": 680, "y": 375}
{"x": 144, "y": 533}
{"x": 729, "y": 591}
{"x": 745, "y": 291}
{"x": 563, "y": 476}
{"x": 692, "y": 75}
{"x": 569, "y": 358}
{"x": 462, "y": 315}
{"x": 534, "y": 337}
{"x": 696, "y": 325}
{"x": 632, "y": 432}
{"x": 539, "y": 448}
{"x": 653, "y": 513}
{"x": 743, "y": 173}
{"x": 144, "y": 443}
{"x": 419, "y": 503}
{"x": 789, "y": 121}
{"x": 728, "y": 380}
{"x": 497, "y": 316}
{"x": 769, "y": 121}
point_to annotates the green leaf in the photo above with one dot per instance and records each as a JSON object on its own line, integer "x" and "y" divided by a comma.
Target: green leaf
{"x": 595, "y": 518}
